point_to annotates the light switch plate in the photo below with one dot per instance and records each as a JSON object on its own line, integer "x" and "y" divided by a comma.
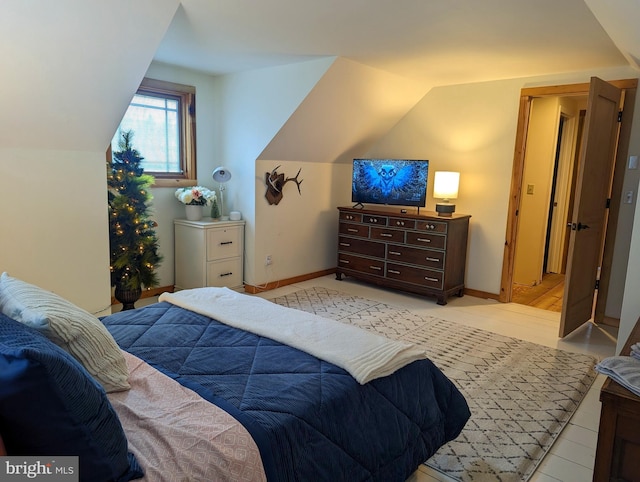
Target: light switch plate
{"x": 633, "y": 162}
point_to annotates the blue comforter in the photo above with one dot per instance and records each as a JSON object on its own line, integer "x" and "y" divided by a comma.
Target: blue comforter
{"x": 310, "y": 419}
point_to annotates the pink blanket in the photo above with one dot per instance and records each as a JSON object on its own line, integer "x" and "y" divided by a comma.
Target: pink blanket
{"x": 178, "y": 436}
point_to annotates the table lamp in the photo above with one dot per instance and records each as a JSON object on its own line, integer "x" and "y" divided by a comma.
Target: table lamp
{"x": 221, "y": 175}
{"x": 445, "y": 187}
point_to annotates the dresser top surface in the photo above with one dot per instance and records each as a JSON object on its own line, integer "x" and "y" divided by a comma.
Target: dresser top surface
{"x": 396, "y": 211}
{"x": 208, "y": 223}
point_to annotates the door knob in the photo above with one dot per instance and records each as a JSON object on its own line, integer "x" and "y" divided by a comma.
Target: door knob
{"x": 577, "y": 227}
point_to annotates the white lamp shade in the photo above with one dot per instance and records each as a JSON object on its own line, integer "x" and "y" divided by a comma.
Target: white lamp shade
{"x": 445, "y": 185}
{"x": 221, "y": 174}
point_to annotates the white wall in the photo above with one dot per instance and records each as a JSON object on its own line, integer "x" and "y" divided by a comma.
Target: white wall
{"x": 630, "y": 313}
{"x": 534, "y": 206}
{"x": 67, "y": 78}
{"x": 471, "y": 128}
{"x": 320, "y": 111}
{"x": 54, "y": 217}
{"x": 628, "y": 232}
{"x": 467, "y": 128}
{"x": 301, "y": 231}
{"x": 253, "y": 107}
{"x": 69, "y": 68}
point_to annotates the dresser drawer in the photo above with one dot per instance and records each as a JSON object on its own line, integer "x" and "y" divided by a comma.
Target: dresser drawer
{"x": 377, "y": 220}
{"x": 227, "y": 272}
{"x": 354, "y": 229}
{"x": 402, "y": 223}
{"x": 419, "y": 253}
{"x": 424, "y": 257}
{"x": 361, "y": 246}
{"x": 420, "y": 276}
{"x": 432, "y": 226}
{"x": 362, "y": 265}
{"x": 355, "y": 217}
{"x": 224, "y": 243}
{"x": 427, "y": 240}
{"x": 385, "y": 234}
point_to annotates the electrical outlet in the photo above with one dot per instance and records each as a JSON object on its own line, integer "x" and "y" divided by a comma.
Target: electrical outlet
{"x": 268, "y": 260}
{"x": 628, "y": 199}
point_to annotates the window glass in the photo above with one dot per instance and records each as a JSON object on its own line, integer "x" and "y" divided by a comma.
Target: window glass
{"x": 162, "y": 118}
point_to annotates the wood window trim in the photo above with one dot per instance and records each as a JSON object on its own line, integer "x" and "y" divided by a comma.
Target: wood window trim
{"x": 187, "y": 96}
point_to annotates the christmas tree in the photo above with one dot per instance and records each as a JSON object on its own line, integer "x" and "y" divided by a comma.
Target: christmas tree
{"x": 132, "y": 239}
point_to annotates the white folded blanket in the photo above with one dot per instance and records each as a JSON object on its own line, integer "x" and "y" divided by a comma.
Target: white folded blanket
{"x": 366, "y": 356}
{"x": 635, "y": 351}
{"x": 623, "y": 369}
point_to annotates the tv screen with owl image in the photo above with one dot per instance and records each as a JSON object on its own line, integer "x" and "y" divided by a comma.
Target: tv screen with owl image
{"x": 401, "y": 182}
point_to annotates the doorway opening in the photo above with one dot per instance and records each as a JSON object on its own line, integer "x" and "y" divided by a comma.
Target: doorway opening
{"x": 605, "y": 149}
{"x": 550, "y": 168}
{"x": 556, "y": 127}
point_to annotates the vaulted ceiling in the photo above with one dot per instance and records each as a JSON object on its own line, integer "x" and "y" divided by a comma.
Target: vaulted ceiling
{"x": 436, "y": 42}
{"x": 71, "y": 66}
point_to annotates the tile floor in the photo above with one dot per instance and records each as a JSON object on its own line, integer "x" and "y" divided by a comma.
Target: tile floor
{"x": 572, "y": 456}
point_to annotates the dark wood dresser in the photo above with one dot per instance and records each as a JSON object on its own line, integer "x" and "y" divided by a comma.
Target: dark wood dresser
{"x": 618, "y": 451}
{"x": 420, "y": 253}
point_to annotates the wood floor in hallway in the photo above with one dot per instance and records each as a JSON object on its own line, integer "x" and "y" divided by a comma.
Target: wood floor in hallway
{"x": 546, "y": 295}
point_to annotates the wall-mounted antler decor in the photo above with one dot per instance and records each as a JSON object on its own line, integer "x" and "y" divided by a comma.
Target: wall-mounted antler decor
{"x": 275, "y": 183}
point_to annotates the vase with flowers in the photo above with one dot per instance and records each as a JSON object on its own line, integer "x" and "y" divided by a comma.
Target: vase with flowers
{"x": 195, "y": 198}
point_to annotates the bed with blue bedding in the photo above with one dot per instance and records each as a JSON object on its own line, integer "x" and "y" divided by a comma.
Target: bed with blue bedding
{"x": 311, "y": 419}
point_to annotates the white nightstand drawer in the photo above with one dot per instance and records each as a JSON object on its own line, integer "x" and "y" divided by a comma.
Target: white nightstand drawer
{"x": 224, "y": 243}
{"x": 227, "y": 272}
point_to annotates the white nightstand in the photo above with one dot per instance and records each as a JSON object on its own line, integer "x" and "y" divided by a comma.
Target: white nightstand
{"x": 209, "y": 253}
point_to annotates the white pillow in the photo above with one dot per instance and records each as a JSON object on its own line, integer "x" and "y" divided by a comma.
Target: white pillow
{"x": 75, "y": 330}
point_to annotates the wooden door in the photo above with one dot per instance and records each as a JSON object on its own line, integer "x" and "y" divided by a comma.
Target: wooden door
{"x": 588, "y": 223}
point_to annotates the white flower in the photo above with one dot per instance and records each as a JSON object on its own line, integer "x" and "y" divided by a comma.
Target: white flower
{"x": 198, "y": 195}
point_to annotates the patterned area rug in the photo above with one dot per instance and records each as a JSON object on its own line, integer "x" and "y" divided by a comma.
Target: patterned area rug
{"x": 521, "y": 394}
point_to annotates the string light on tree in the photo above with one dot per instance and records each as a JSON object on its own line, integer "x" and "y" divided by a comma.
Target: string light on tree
{"x": 133, "y": 241}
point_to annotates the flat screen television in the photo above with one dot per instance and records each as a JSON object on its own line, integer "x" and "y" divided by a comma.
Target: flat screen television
{"x": 401, "y": 182}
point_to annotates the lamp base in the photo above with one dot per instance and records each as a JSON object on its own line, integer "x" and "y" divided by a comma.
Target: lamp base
{"x": 445, "y": 210}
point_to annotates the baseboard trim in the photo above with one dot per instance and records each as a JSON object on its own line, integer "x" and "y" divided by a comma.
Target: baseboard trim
{"x": 148, "y": 293}
{"x": 609, "y": 321}
{"x": 481, "y": 294}
{"x": 253, "y": 289}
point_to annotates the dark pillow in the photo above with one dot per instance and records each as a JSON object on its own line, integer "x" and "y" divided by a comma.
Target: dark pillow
{"x": 50, "y": 405}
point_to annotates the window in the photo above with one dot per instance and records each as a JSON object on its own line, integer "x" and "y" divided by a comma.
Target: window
{"x": 162, "y": 118}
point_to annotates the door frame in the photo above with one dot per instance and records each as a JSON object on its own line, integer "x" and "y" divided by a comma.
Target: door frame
{"x": 628, "y": 87}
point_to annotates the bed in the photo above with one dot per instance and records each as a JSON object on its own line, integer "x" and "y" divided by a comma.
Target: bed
{"x": 210, "y": 401}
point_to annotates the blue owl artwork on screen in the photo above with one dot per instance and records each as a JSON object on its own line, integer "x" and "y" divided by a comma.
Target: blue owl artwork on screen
{"x": 400, "y": 182}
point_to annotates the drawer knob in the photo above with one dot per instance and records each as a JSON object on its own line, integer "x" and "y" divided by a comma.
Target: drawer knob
{"x": 431, "y": 279}
{"x": 395, "y": 253}
{"x": 377, "y": 268}
{"x": 393, "y": 271}
{"x": 225, "y": 274}
{"x": 226, "y": 242}
{"x": 436, "y": 260}
{"x": 352, "y": 230}
{"x": 345, "y": 244}
{"x": 386, "y": 235}
{"x": 424, "y": 240}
